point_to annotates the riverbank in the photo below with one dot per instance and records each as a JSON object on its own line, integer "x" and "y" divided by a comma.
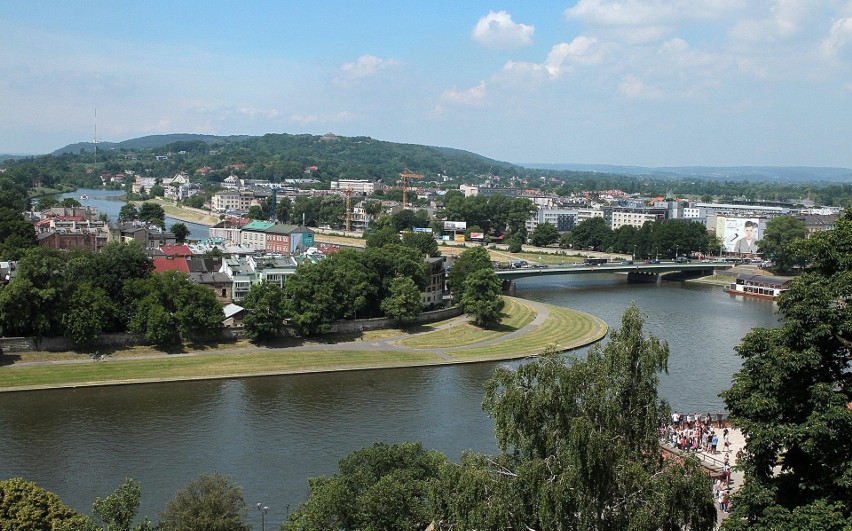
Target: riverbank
{"x": 539, "y": 327}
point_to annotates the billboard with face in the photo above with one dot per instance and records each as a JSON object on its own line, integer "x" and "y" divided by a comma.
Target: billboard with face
{"x": 741, "y": 235}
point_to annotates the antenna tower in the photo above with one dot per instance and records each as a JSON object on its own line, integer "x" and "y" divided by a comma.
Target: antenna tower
{"x": 95, "y": 137}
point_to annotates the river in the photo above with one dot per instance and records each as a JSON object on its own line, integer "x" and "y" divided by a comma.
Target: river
{"x": 109, "y": 202}
{"x": 270, "y": 434}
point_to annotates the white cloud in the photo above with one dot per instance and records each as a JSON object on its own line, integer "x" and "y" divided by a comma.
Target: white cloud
{"x": 634, "y": 88}
{"x": 364, "y": 67}
{"x": 838, "y": 39}
{"x": 499, "y": 31}
{"x": 562, "y": 58}
{"x": 783, "y": 20}
{"x": 648, "y": 12}
{"x": 474, "y": 96}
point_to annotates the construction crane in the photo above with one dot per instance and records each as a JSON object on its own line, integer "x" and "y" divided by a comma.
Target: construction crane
{"x": 349, "y": 209}
{"x": 407, "y": 174}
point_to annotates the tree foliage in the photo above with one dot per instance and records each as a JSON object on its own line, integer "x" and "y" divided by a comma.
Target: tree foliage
{"x": 25, "y": 506}
{"x": 181, "y": 232}
{"x": 545, "y": 234}
{"x": 791, "y": 396}
{"x": 118, "y": 510}
{"x": 209, "y": 503}
{"x": 481, "y": 297}
{"x": 423, "y": 242}
{"x": 266, "y": 309}
{"x": 380, "y": 487}
{"x": 404, "y": 301}
{"x": 780, "y": 233}
{"x": 168, "y": 309}
{"x": 89, "y": 311}
{"x": 467, "y": 262}
{"x": 580, "y": 443}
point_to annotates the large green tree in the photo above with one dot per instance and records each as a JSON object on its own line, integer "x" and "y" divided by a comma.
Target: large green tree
{"x": 467, "y": 262}
{"x": 89, "y": 311}
{"x": 168, "y": 309}
{"x": 791, "y": 398}
{"x": 545, "y": 234}
{"x": 118, "y": 511}
{"x": 209, "y": 503}
{"x": 266, "y": 309}
{"x": 380, "y": 487}
{"x": 153, "y": 213}
{"x": 481, "y": 297}
{"x": 25, "y": 506}
{"x": 33, "y": 303}
{"x": 581, "y": 447}
{"x": 181, "y": 232}
{"x": 591, "y": 233}
{"x": 775, "y": 245}
{"x": 423, "y": 242}
{"x": 404, "y": 301}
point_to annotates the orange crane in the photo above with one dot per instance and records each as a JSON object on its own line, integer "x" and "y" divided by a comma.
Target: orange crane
{"x": 407, "y": 174}
{"x": 349, "y": 209}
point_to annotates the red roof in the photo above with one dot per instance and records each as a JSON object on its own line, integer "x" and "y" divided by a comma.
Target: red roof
{"x": 161, "y": 265}
{"x": 176, "y": 250}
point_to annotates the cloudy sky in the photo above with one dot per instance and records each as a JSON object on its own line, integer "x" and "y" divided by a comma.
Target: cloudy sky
{"x": 630, "y": 82}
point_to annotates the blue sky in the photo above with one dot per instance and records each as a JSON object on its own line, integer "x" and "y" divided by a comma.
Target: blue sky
{"x": 630, "y": 82}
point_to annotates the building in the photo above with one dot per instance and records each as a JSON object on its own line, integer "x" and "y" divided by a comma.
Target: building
{"x": 358, "y": 186}
{"x": 288, "y": 239}
{"x": 563, "y": 219}
{"x": 228, "y": 230}
{"x": 434, "y": 294}
{"x": 253, "y": 234}
{"x": 635, "y": 217}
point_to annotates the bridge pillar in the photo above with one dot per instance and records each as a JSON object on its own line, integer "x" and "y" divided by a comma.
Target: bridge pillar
{"x": 509, "y": 285}
{"x": 641, "y": 277}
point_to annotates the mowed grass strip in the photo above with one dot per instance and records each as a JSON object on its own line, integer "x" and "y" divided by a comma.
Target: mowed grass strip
{"x": 564, "y": 329}
{"x": 198, "y": 366}
{"x": 516, "y": 315}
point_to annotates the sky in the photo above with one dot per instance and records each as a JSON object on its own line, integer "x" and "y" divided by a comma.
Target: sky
{"x": 625, "y": 82}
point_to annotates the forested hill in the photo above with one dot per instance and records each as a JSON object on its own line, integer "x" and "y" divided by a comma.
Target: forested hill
{"x": 325, "y": 158}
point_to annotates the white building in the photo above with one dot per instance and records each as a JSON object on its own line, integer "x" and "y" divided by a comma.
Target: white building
{"x": 358, "y": 186}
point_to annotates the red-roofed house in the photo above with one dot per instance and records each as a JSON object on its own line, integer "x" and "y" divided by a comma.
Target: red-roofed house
{"x": 171, "y": 263}
{"x": 176, "y": 250}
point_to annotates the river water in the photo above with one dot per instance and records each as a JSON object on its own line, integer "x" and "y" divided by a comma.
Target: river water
{"x": 109, "y": 202}
{"x": 270, "y": 434}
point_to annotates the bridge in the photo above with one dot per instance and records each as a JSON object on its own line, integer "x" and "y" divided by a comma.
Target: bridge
{"x": 637, "y": 271}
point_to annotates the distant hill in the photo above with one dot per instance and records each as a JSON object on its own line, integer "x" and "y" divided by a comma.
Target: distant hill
{"x": 149, "y": 142}
{"x": 8, "y": 156}
{"x": 725, "y": 173}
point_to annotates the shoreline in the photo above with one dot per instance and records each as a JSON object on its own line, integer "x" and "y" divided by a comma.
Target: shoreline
{"x": 547, "y": 330}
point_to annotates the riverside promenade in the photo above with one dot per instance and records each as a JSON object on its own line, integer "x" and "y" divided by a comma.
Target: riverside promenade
{"x": 714, "y": 463}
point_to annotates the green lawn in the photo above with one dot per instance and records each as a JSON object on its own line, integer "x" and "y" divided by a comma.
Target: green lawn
{"x": 186, "y": 367}
{"x": 516, "y": 315}
{"x": 564, "y": 329}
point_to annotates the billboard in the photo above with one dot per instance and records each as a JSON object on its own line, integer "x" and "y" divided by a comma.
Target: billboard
{"x": 427, "y": 230}
{"x": 459, "y": 237}
{"x": 455, "y": 225}
{"x": 477, "y": 235}
{"x": 741, "y": 235}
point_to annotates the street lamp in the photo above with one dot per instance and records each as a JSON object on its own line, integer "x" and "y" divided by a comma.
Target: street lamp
{"x": 675, "y": 251}
{"x": 263, "y": 510}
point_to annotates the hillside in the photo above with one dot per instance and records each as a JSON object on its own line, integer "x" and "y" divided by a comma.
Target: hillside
{"x": 148, "y": 142}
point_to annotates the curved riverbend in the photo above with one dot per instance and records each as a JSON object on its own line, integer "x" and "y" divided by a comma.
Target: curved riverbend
{"x": 550, "y": 327}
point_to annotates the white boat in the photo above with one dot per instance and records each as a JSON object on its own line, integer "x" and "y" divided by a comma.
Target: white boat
{"x": 84, "y": 197}
{"x": 761, "y": 286}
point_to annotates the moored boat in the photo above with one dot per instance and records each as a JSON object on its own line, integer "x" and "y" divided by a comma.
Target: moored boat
{"x": 761, "y": 286}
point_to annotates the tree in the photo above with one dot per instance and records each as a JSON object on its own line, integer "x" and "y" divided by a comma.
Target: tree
{"x": 380, "y": 487}
{"x": 387, "y": 235}
{"x": 89, "y": 311}
{"x": 545, "y": 234}
{"x": 256, "y": 212}
{"x": 266, "y": 309}
{"x": 780, "y": 232}
{"x": 514, "y": 244}
{"x": 210, "y": 503}
{"x": 791, "y": 396}
{"x": 152, "y": 213}
{"x": 468, "y": 261}
{"x": 26, "y": 506}
{"x": 423, "y": 242}
{"x": 404, "y": 302}
{"x": 168, "y": 309}
{"x": 181, "y": 231}
{"x": 33, "y": 304}
{"x": 580, "y": 447}
{"x": 128, "y": 212}
{"x": 591, "y": 233}
{"x": 482, "y": 298}
{"x": 118, "y": 510}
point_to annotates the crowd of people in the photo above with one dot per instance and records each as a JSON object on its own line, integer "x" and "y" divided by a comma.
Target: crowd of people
{"x": 697, "y": 433}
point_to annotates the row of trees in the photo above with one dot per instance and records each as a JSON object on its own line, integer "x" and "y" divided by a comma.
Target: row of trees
{"x": 210, "y": 502}
{"x": 81, "y": 295}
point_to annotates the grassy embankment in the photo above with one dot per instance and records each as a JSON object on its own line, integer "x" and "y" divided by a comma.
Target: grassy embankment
{"x": 563, "y": 328}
